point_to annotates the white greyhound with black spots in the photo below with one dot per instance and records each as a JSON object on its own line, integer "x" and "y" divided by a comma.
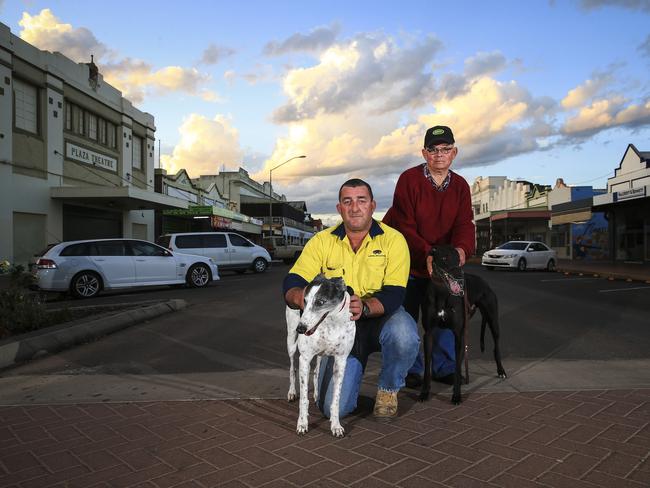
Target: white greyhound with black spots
{"x": 324, "y": 329}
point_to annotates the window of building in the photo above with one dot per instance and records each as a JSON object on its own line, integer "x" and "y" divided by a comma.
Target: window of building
{"x": 77, "y": 120}
{"x": 92, "y": 126}
{"x": 25, "y": 107}
{"x": 101, "y": 129}
{"x": 111, "y": 137}
{"x": 137, "y": 152}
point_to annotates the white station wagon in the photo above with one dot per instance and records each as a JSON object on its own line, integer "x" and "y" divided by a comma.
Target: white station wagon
{"x": 86, "y": 267}
{"x": 521, "y": 255}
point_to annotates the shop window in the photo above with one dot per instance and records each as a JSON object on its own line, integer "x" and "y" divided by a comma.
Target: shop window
{"x": 137, "y": 152}
{"x": 25, "y": 107}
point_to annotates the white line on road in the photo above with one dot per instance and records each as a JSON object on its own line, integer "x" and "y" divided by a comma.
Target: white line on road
{"x": 568, "y": 279}
{"x": 626, "y": 289}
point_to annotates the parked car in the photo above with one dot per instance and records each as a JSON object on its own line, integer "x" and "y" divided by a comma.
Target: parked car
{"x": 521, "y": 255}
{"x": 87, "y": 267}
{"x": 228, "y": 249}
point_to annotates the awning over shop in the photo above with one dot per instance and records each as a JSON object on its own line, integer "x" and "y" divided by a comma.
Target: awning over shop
{"x": 522, "y": 214}
{"x": 118, "y": 197}
{"x": 222, "y": 218}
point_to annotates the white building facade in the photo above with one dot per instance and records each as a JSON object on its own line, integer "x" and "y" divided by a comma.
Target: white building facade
{"x": 627, "y": 207}
{"x": 76, "y": 158}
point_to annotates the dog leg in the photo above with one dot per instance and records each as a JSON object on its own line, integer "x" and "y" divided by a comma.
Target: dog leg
{"x": 291, "y": 348}
{"x": 494, "y": 327}
{"x": 315, "y": 377}
{"x": 339, "y": 371}
{"x": 428, "y": 353}
{"x": 293, "y": 319}
{"x": 303, "y": 415}
{"x": 490, "y": 313}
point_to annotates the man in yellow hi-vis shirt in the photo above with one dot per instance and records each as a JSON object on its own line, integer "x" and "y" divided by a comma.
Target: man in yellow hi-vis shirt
{"x": 373, "y": 259}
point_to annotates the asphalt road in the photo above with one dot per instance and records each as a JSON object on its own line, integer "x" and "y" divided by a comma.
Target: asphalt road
{"x": 557, "y": 332}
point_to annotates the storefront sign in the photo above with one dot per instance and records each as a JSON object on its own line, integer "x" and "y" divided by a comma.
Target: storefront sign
{"x": 630, "y": 194}
{"x": 83, "y": 155}
{"x": 218, "y": 222}
{"x": 190, "y": 211}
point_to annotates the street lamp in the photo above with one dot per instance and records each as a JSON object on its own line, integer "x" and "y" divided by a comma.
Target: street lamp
{"x": 271, "y": 191}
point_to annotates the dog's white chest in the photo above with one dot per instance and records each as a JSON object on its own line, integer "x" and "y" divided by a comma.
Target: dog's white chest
{"x": 330, "y": 339}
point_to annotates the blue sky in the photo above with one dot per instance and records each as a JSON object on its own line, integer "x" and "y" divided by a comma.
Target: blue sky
{"x": 535, "y": 90}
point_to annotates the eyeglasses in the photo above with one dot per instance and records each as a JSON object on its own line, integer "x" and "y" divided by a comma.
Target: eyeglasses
{"x": 439, "y": 150}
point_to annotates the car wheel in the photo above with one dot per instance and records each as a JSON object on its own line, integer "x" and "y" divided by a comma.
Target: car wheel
{"x": 198, "y": 276}
{"x": 550, "y": 266}
{"x": 259, "y": 265}
{"x": 86, "y": 284}
{"x": 521, "y": 265}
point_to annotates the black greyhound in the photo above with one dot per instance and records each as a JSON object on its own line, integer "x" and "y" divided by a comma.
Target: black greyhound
{"x": 451, "y": 299}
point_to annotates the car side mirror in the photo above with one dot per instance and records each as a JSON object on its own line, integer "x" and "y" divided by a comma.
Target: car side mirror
{"x": 168, "y": 254}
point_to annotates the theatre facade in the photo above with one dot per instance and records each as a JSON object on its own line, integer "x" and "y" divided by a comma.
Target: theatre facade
{"x": 76, "y": 158}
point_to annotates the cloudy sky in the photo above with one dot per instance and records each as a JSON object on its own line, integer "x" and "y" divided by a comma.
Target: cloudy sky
{"x": 535, "y": 90}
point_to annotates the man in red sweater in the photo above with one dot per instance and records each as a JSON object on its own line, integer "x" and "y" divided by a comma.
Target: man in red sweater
{"x": 432, "y": 205}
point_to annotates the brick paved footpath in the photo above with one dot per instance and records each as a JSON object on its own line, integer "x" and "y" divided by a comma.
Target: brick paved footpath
{"x": 560, "y": 439}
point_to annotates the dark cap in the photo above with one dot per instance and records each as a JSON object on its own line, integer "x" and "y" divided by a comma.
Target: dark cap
{"x": 439, "y": 134}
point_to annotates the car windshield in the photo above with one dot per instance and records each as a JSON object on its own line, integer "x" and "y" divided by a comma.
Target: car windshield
{"x": 517, "y": 246}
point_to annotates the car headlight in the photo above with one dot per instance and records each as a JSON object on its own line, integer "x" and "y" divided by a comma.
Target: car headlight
{"x": 509, "y": 256}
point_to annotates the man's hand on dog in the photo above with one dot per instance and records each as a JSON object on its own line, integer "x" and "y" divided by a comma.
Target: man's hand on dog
{"x": 356, "y": 307}
{"x": 461, "y": 260}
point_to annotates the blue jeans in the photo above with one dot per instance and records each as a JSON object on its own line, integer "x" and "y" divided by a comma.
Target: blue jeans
{"x": 397, "y": 338}
{"x": 443, "y": 360}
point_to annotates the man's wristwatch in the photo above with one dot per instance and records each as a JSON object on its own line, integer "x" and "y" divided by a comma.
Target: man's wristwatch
{"x": 365, "y": 311}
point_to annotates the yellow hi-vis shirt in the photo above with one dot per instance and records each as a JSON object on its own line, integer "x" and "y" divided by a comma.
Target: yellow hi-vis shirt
{"x": 381, "y": 261}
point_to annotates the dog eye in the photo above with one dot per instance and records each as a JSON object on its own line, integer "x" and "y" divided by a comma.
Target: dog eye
{"x": 320, "y": 303}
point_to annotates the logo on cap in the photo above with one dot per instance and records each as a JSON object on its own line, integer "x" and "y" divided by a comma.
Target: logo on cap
{"x": 437, "y": 132}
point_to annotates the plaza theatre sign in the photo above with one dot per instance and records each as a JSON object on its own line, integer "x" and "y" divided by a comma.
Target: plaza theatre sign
{"x": 83, "y": 155}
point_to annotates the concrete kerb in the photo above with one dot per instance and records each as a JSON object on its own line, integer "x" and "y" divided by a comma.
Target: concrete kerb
{"x": 606, "y": 275}
{"x": 27, "y": 346}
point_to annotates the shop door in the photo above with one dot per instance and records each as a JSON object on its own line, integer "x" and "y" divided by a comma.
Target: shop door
{"x": 89, "y": 223}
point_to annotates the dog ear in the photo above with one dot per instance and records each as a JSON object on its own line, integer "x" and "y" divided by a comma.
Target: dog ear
{"x": 338, "y": 282}
{"x": 350, "y": 290}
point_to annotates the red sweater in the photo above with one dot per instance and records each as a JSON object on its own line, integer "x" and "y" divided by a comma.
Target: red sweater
{"x": 427, "y": 216}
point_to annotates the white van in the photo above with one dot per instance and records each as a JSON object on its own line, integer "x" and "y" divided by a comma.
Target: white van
{"x": 228, "y": 249}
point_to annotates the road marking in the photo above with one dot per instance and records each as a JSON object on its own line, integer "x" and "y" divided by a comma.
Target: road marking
{"x": 625, "y": 289}
{"x": 569, "y": 279}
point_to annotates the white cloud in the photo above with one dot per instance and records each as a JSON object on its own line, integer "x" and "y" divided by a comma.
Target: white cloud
{"x": 205, "y": 146}
{"x": 642, "y": 5}
{"x": 47, "y": 32}
{"x": 607, "y": 113}
{"x": 366, "y": 69}
{"x": 135, "y": 78}
{"x": 213, "y": 54}
{"x": 581, "y": 94}
{"x": 318, "y": 39}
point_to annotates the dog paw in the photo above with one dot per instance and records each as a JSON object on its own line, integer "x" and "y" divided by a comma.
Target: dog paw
{"x": 424, "y": 396}
{"x": 502, "y": 374}
{"x": 302, "y": 429}
{"x": 455, "y": 399}
{"x": 291, "y": 397}
{"x": 338, "y": 431}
